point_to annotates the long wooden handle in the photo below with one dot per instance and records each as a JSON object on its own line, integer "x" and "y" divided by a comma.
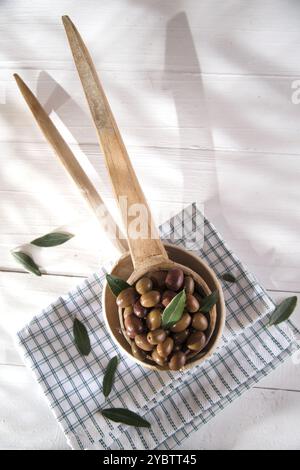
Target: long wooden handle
{"x": 67, "y": 158}
{"x": 122, "y": 175}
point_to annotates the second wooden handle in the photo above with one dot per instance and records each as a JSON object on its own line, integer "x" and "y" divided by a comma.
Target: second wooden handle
{"x": 122, "y": 175}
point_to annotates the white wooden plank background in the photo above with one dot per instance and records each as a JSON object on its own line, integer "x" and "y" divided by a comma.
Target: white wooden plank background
{"x": 202, "y": 91}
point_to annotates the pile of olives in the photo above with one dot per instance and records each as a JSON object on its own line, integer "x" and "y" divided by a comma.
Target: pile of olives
{"x": 142, "y": 308}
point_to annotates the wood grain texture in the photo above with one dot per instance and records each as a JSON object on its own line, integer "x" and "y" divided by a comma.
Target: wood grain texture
{"x": 203, "y": 98}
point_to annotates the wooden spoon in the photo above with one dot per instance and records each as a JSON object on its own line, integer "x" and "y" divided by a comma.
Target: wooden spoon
{"x": 148, "y": 254}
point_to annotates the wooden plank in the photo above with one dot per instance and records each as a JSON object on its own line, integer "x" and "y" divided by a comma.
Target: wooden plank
{"x": 225, "y": 36}
{"x": 163, "y": 109}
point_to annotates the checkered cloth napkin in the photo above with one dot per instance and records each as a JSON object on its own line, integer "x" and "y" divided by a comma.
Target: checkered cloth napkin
{"x": 174, "y": 404}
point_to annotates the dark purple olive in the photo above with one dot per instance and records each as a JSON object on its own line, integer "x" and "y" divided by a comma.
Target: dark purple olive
{"x": 174, "y": 279}
{"x": 139, "y": 310}
{"x": 133, "y": 325}
{"x": 189, "y": 285}
{"x": 158, "y": 278}
{"x": 167, "y": 296}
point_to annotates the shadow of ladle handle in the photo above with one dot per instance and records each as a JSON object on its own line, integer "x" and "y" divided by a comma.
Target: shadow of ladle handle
{"x": 148, "y": 250}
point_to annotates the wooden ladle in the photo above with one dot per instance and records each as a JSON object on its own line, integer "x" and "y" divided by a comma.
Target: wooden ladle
{"x": 147, "y": 253}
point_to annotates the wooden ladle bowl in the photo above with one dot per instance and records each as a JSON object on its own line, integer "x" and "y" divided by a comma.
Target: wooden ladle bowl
{"x": 209, "y": 282}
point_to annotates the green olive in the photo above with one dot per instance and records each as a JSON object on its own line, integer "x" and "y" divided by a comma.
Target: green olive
{"x": 161, "y": 361}
{"x": 150, "y": 299}
{"x": 182, "y": 324}
{"x": 200, "y": 322}
{"x": 192, "y": 304}
{"x": 142, "y": 342}
{"x": 196, "y": 341}
{"x": 127, "y": 297}
{"x": 165, "y": 348}
{"x": 156, "y": 336}
{"x": 137, "y": 352}
{"x": 177, "y": 361}
{"x": 144, "y": 285}
{"x": 153, "y": 319}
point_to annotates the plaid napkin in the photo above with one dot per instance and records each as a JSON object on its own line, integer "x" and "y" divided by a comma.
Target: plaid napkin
{"x": 175, "y": 404}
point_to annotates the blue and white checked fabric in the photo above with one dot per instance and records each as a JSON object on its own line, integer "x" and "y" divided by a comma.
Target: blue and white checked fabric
{"x": 175, "y": 405}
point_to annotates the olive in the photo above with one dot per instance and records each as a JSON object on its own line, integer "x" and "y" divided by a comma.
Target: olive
{"x": 167, "y": 296}
{"x": 150, "y": 299}
{"x": 177, "y": 361}
{"x": 133, "y": 325}
{"x": 128, "y": 311}
{"x": 182, "y": 324}
{"x": 181, "y": 337}
{"x": 127, "y": 297}
{"x": 165, "y": 348}
{"x": 139, "y": 310}
{"x": 200, "y": 322}
{"x": 174, "y": 279}
{"x": 158, "y": 278}
{"x": 153, "y": 319}
{"x": 161, "y": 361}
{"x": 189, "y": 285}
{"x": 156, "y": 336}
{"x": 142, "y": 342}
{"x": 137, "y": 352}
{"x": 144, "y": 285}
{"x": 196, "y": 341}
{"x": 192, "y": 304}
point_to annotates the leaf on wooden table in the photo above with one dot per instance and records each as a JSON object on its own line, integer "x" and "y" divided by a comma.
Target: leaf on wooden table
{"x": 27, "y": 262}
{"x": 52, "y": 239}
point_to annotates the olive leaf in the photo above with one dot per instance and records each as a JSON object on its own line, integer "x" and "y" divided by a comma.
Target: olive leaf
{"x": 81, "y": 337}
{"x": 116, "y": 284}
{"x": 109, "y": 375}
{"x": 283, "y": 311}
{"x": 173, "y": 312}
{"x": 228, "y": 277}
{"x": 52, "y": 239}
{"x": 27, "y": 262}
{"x": 209, "y": 301}
{"x": 124, "y": 416}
